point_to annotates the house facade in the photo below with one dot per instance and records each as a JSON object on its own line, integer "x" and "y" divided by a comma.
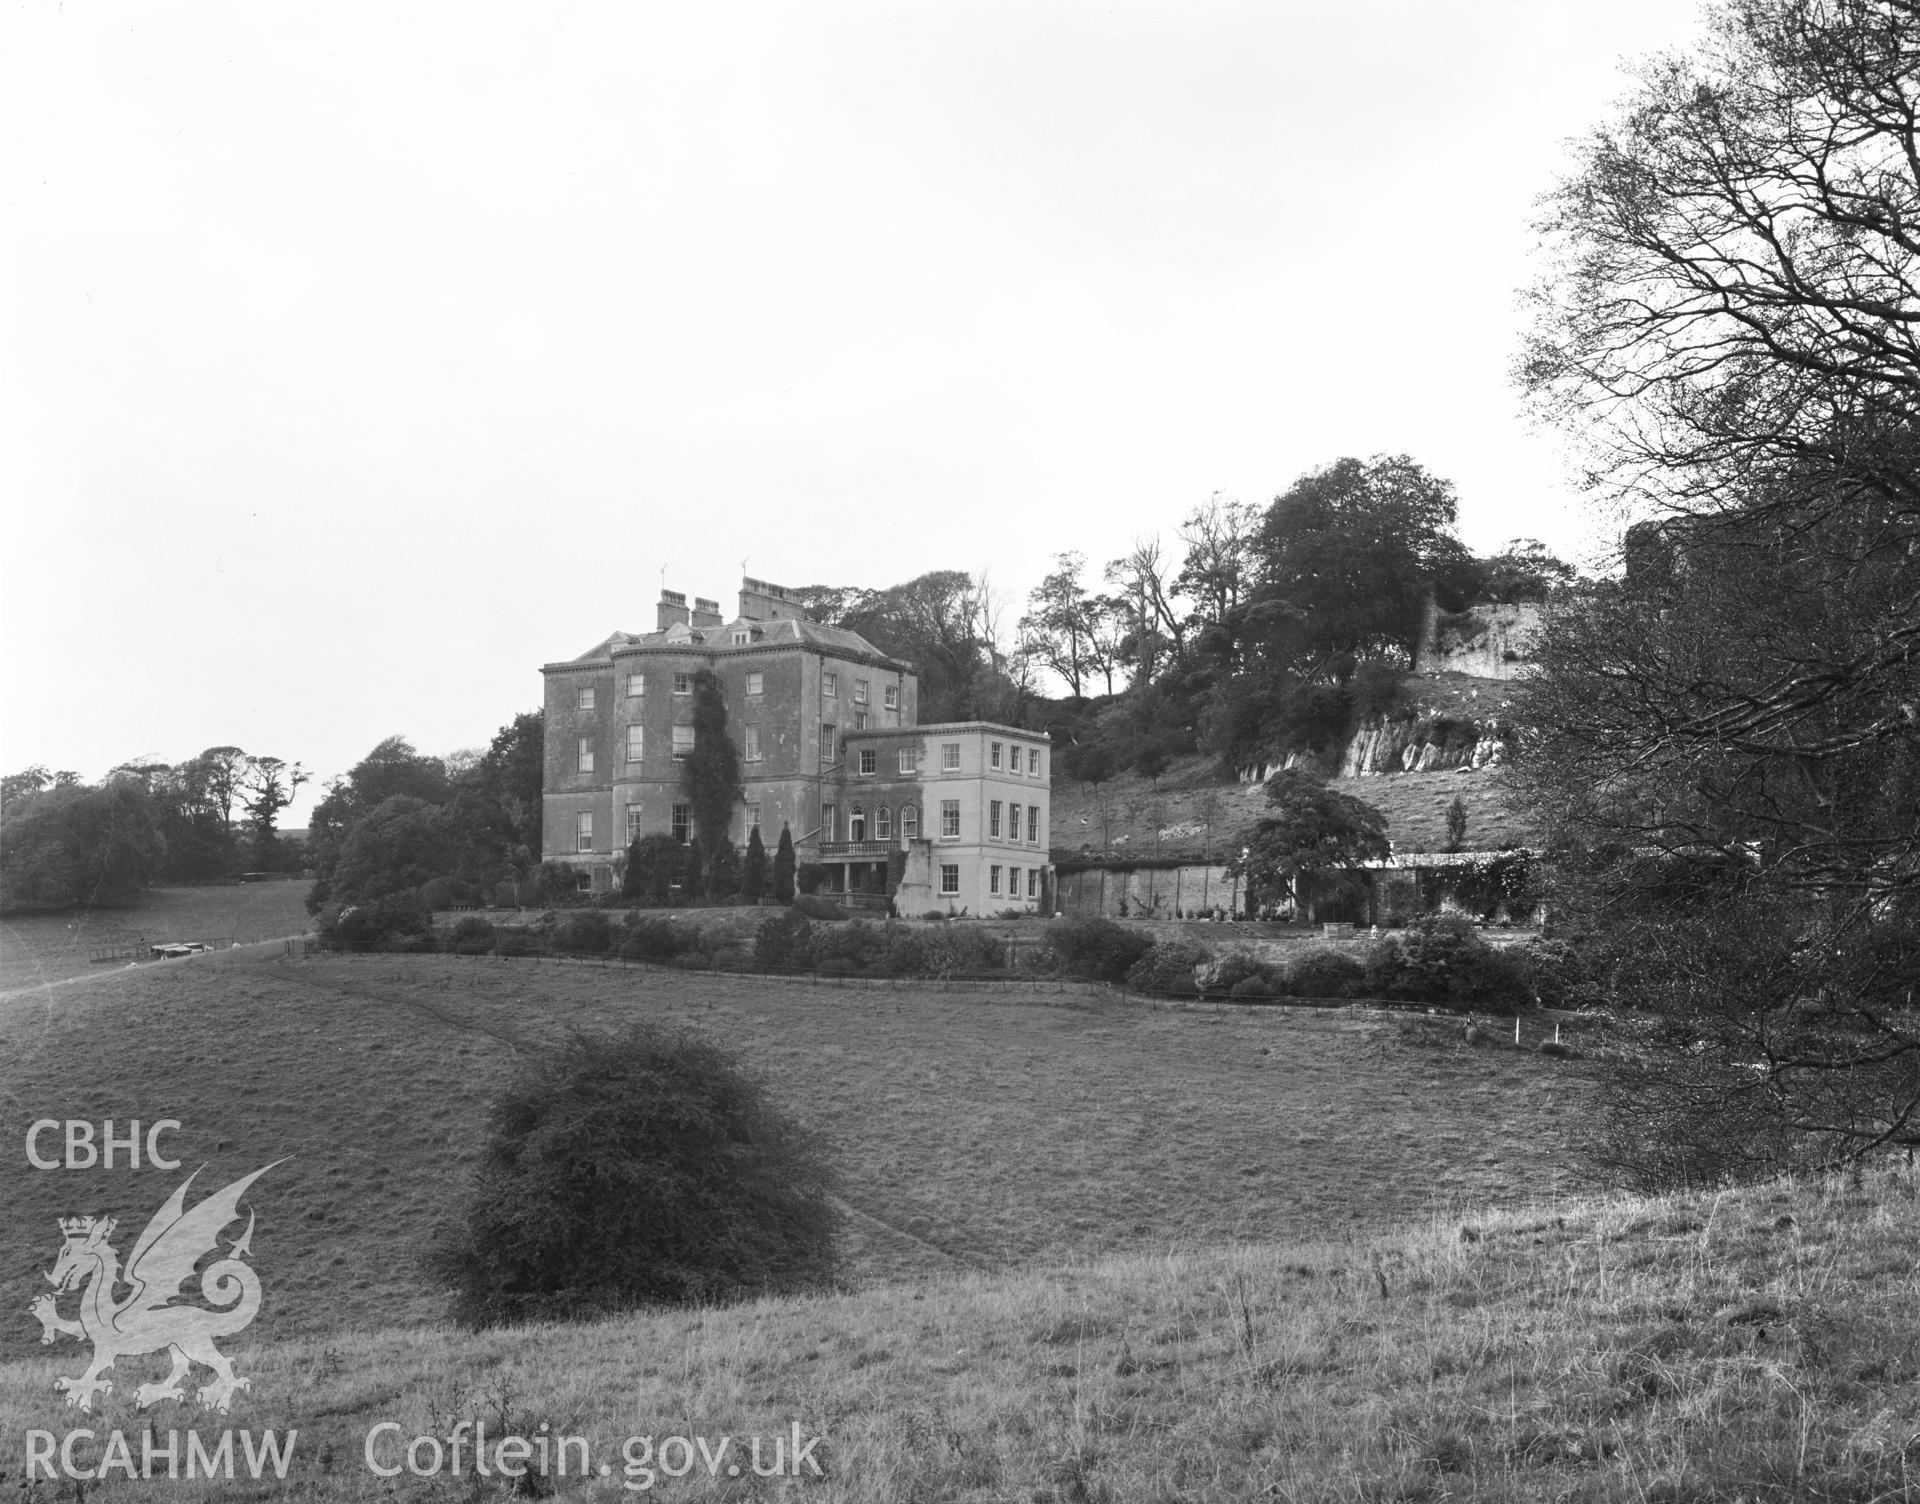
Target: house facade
{"x": 830, "y": 746}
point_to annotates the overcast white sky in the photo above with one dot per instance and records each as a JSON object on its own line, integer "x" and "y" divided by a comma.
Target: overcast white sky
{"x": 359, "y": 359}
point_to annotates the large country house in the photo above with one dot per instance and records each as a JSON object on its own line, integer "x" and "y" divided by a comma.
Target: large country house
{"x": 830, "y": 746}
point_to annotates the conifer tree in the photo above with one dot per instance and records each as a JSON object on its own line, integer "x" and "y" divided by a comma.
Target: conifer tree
{"x": 711, "y": 773}
{"x": 783, "y": 864}
{"x": 753, "y": 870}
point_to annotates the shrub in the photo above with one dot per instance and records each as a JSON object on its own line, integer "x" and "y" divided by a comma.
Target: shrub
{"x": 958, "y": 948}
{"x": 1555, "y": 969}
{"x": 1095, "y": 950}
{"x": 1237, "y": 966}
{"x": 556, "y": 883}
{"x": 438, "y": 893}
{"x": 1168, "y": 962}
{"x": 1325, "y": 972}
{"x": 819, "y": 908}
{"x": 379, "y": 923}
{"x": 1251, "y": 987}
{"x": 808, "y": 877}
{"x": 859, "y": 944}
{"x": 784, "y": 941}
{"x": 653, "y": 940}
{"x": 472, "y": 936}
{"x": 903, "y": 953}
{"x": 588, "y": 932}
{"x": 506, "y": 896}
{"x": 645, "y": 1168}
{"x": 935, "y": 916}
{"x": 1442, "y": 960}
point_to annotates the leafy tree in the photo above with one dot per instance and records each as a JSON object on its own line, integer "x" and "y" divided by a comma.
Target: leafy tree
{"x": 711, "y": 773}
{"x": 654, "y": 865}
{"x": 1219, "y": 570}
{"x": 64, "y": 845}
{"x": 1091, "y": 763}
{"x": 638, "y": 1169}
{"x": 30, "y": 780}
{"x": 947, "y": 624}
{"x": 1061, "y": 622}
{"x": 395, "y": 767}
{"x": 219, "y": 770}
{"x": 1456, "y": 823}
{"x": 392, "y": 769}
{"x": 1351, "y": 552}
{"x": 494, "y": 811}
{"x": 1522, "y": 571}
{"x": 190, "y": 817}
{"x": 783, "y": 867}
{"x": 267, "y": 786}
{"x": 395, "y": 848}
{"x": 753, "y": 870}
{"x": 1312, "y": 829}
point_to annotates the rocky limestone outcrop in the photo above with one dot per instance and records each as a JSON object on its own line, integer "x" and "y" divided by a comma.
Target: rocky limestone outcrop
{"x": 1470, "y": 730}
{"x": 1487, "y": 642}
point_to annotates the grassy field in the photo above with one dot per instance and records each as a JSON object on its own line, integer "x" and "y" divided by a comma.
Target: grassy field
{"x": 38, "y": 948}
{"x": 1098, "y": 1254}
{"x": 977, "y": 1132}
{"x": 1751, "y": 1345}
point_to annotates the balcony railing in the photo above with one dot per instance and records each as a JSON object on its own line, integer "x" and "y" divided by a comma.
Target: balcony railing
{"x": 857, "y": 848}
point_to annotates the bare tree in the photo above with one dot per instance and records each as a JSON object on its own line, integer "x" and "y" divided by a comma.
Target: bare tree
{"x": 1731, "y": 323}
{"x": 1734, "y": 291}
{"x": 1146, "y": 594}
{"x": 1218, "y": 571}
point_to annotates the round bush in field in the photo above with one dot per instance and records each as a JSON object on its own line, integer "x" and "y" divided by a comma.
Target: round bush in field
{"x": 636, "y": 1169}
{"x": 1251, "y": 987}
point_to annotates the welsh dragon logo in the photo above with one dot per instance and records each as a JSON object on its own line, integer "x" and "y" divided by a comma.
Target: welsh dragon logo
{"x": 147, "y": 1320}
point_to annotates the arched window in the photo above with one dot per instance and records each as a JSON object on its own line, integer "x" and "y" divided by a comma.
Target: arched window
{"x": 883, "y": 823}
{"x": 910, "y": 821}
{"x": 857, "y": 826}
